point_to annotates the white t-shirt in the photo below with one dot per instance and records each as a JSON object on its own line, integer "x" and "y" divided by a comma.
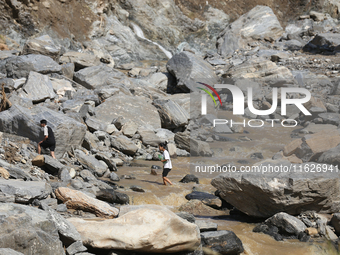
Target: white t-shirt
{"x": 167, "y": 156}
{"x": 45, "y": 131}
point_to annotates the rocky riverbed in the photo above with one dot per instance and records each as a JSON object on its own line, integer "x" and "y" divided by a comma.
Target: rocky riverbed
{"x": 114, "y": 79}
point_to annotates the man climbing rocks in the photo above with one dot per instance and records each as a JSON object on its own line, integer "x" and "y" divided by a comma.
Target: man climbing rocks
{"x": 48, "y": 141}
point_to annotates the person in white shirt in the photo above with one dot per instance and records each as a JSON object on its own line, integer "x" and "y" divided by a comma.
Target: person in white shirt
{"x": 166, "y": 162}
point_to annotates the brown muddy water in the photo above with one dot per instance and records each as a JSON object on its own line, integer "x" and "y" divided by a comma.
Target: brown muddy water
{"x": 266, "y": 140}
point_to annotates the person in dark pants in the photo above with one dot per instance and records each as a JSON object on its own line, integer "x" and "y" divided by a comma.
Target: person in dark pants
{"x": 49, "y": 140}
{"x": 166, "y": 161}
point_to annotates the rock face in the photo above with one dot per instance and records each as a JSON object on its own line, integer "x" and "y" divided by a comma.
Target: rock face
{"x": 24, "y": 122}
{"x": 43, "y": 45}
{"x": 150, "y": 230}
{"x": 190, "y": 69}
{"x": 78, "y": 200}
{"x": 268, "y": 194}
{"x": 28, "y": 230}
{"x": 171, "y": 113}
{"x": 38, "y": 88}
{"x": 310, "y": 147}
{"x": 132, "y": 108}
{"x": 23, "y": 192}
{"x": 20, "y": 66}
{"x": 223, "y": 242}
{"x": 97, "y": 76}
{"x": 258, "y": 24}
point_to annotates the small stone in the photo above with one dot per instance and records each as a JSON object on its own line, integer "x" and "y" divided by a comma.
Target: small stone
{"x": 4, "y": 173}
{"x": 311, "y": 231}
{"x": 137, "y": 188}
{"x": 114, "y": 177}
{"x": 61, "y": 208}
{"x": 38, "y": 160}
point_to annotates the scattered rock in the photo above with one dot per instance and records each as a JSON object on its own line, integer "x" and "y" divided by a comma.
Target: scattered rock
{"x": 98, "y": 76}
{"x": 80, "y": 59}
{"x": 190, "y": 178}
{"x": 79, "y": 201}
{"x": 281, "y": 226}
{"x": 124, "y": 145}
{"x": 310, "y": 147}
{"x": 223, "y": 242}
{"x": 20, "y": 66}
{"x": 206, "y": 226}
{"x": 23, "y": 192}
{"x": 190, "y": 69}
{"x": 90, "y": 162}
{"x": 43, "y": 45}
{"x": 171, "y": 113}
{"x": 137, "y": 188}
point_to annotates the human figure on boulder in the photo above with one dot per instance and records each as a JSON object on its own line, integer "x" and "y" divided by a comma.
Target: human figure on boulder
{"x": 166, "y": 162}
{"x": 49, "y": 140}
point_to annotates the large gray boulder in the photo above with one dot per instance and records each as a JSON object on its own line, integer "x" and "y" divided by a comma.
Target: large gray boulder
{"x": 23, "y": 192}
{"x": 283, "y": 226}
{"x": 90, "y": 162}
{"x": 28, "y": 230}
{"x": 20, "y": 66}
{"x": 124, "y": 144}
{"x": 331, "y": 157}
{"x": 326, "y": 40}
{"x": 149, "y": 137}
{"x": 263, "y": 195}
{"x": 260, "y": 23}
{"x": 190, "y": 69}
{"x": 132, "y": 108}
{"x": 147, "y": 229}
{"x": 42, "y": 45}
{"x": 25, "y": 122}
{"x": 171, "y": 113}
{"x": 65, "y": 228}
{"x": 38, "y": 88}
{"x": 80, "y": 59}
{"x": 98, "y": 76}
{"x": 195, "y": 147}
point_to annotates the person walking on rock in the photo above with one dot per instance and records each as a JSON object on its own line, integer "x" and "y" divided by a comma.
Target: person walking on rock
{"x": 49, "y": 140}
{"x": 166, "y": 162}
